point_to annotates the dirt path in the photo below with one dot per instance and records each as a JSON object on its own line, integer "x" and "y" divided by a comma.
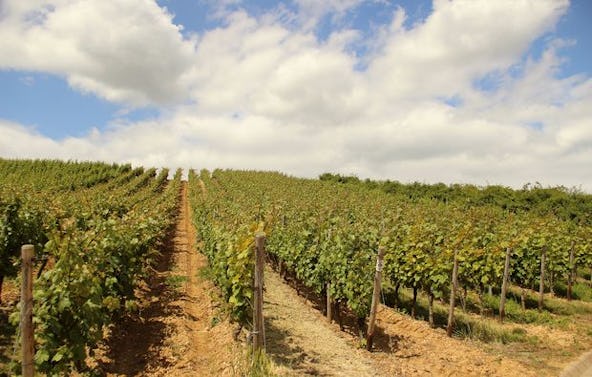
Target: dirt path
{"x": 412, "y": 348}
{"x": 579, "y": 368}
{"x": 302, "y": 343}
{"x": 179, "y": 331}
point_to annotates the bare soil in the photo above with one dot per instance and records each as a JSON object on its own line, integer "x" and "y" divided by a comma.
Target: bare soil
{"x": 579, "y": 368}
{"x": 300, "y": 340}
{"x": 419, "y": 350}
{"x": 180, "y": 330}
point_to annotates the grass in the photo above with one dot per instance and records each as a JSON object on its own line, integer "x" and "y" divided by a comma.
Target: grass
{"x": 516, "y": 338}
{"x": 580, "y": 291}
{"x": 175, "y": 281}
{"x": 467, "y": 326}
{"x": 488, "y": 331}
{"x": 583, "y": 291}
{"x": 256, "y": 364}
{"x": 557, "y": 313}
{"x": 514, "y": 312}
{"x": 206, "y": 273}
{"x": 261, "y": 365}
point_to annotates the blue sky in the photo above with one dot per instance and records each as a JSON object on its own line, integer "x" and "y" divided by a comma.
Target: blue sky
{"x": 408, "y": 90}
{"x": 54, "y": 109}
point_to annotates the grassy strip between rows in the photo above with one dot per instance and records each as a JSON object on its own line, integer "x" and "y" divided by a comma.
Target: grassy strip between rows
{"x": 558, "y": 313}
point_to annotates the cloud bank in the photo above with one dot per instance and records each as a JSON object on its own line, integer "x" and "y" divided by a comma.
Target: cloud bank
{"x": 457, "y": 97}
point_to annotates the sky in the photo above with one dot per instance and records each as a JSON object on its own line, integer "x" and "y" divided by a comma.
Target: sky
{"x": 462, "y": 91}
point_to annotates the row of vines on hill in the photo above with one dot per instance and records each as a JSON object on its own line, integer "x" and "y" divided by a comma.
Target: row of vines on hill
{"x": 96, "y": 228}
{"x": 226, "y": 230}
{"x": 323, "y": 232}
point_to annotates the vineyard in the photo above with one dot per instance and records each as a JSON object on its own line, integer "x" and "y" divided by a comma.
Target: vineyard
{"x": 96, "y": 228}
{"x": 511, "y": 265}
{"x": 499, "y": 275}
{"x": 329, "y": 234}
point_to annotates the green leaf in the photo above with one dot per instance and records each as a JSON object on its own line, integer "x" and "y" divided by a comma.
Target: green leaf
{"x": 41, "y": 356}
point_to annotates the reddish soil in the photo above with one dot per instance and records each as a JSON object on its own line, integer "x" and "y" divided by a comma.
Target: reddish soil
{"x": 180, "y": 330}
{"x": 302, "y": 342}
{"x": 415, "y": 349}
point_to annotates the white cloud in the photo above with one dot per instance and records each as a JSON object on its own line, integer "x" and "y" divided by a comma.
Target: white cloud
{"x": 265, "y": 95}
{"x": 124, "y": 51}
{"x": 460, "y": 41}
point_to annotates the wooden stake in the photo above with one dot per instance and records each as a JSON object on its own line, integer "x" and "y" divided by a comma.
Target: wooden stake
{"x": 431, "y": 308}
{"x": 27, "y": 339}
{"x": 463, "y": 299}
{"x": 505, "y": 285}
{"x": 375, "y": 297}
{"x": 259, "y": 327}
{"x": 338, "y": 314}
{"x": 542, "y": 280}
{"x": 552, "y": 282}
{"x": 414, "y": 304}
{"x": 453, "y": 285}
{"x": 570, "y": 276}
{"x": 329, "y": 303}
{"x": 397, "y": 287}
{"x": 481, "y": 300}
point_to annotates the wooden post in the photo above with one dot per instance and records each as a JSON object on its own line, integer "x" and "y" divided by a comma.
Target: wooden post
{"x": 551, "y": 281}
{"x": 505, "y": 285}
{"x": 337, "y": 314}
{"x": 397, "y": 301}
{"x": 453, "y": 285}
{"x": 329, "y": 303}
{"x": 414, "y": 303}
{"x": 375, "y": 297}
{"x": 570, "y": 276}
{"x": 542, "y": 280}
{"x": 259, "y": 328}
{"x": 463, "y": 298}
{"x": 27, "y": 339}
{"x": 431, "y": 307}
{"x": 523, "y": 298}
